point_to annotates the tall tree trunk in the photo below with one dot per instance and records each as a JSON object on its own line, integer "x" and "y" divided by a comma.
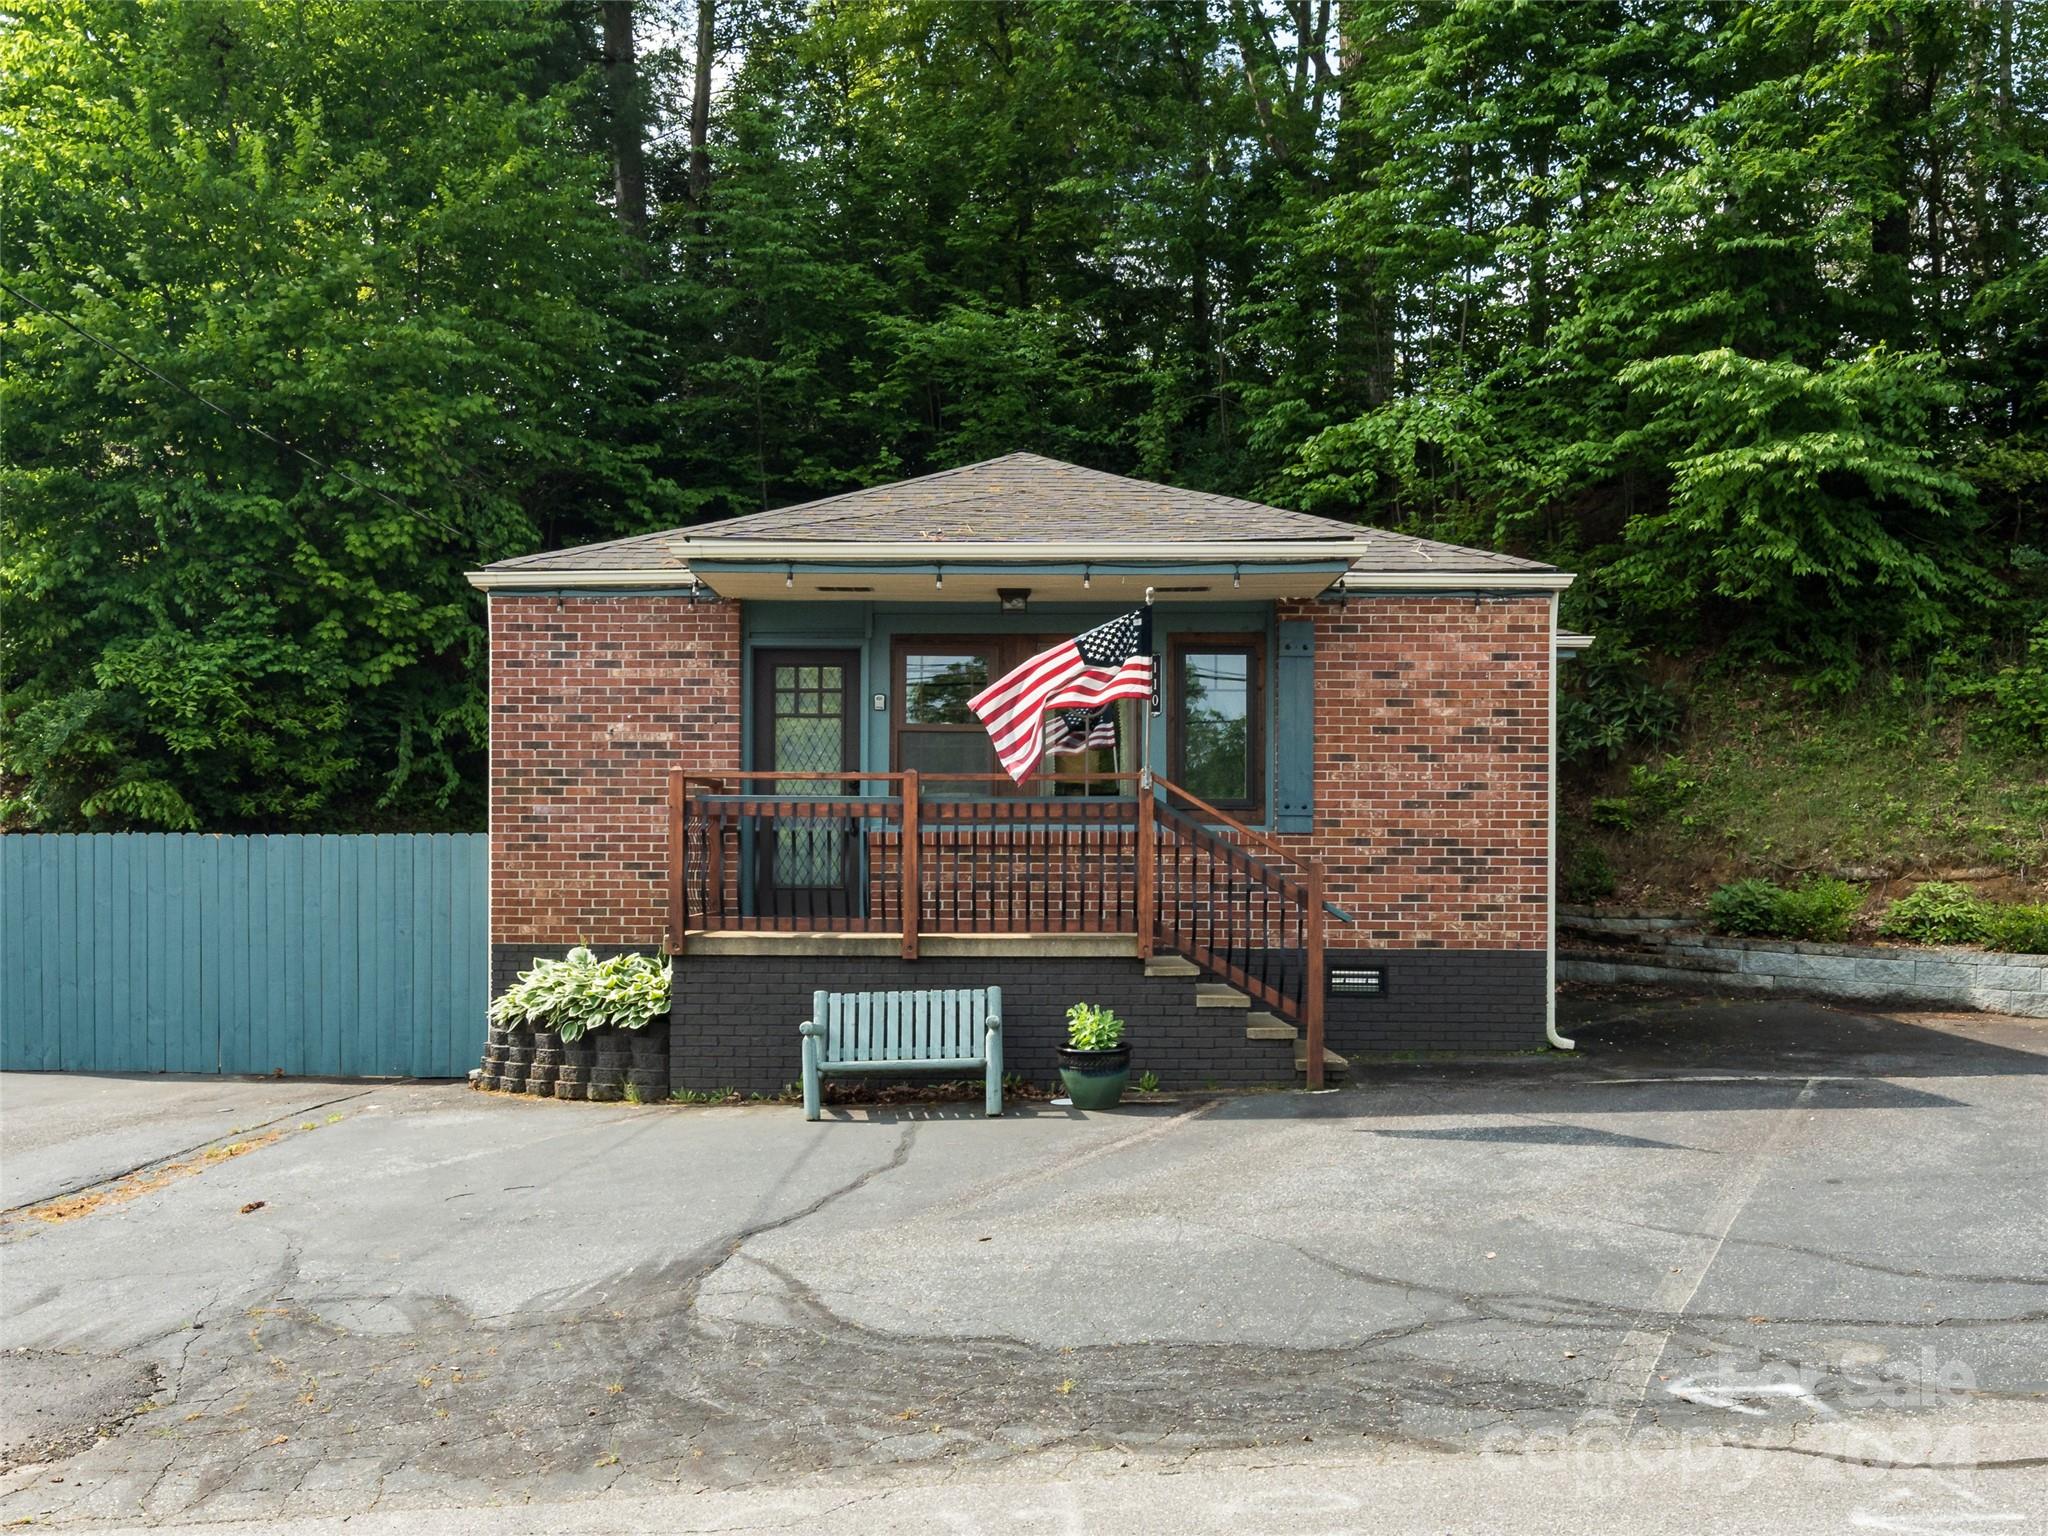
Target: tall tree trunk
{"x": 1539, "y": 250}
{"x": 700, "y": 109}
{"x": 628, "y": 117}
{"x": 1891, "y": 232}
{"x": 1365, "y": 328}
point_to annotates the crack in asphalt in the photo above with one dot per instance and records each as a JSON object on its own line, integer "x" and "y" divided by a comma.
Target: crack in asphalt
{"x": 1939, "y": 1277}
{"x": 171, "y": 1157}
{"x": 628, "y": 1376}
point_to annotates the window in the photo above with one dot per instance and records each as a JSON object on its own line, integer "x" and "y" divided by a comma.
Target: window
{"x": 934, "y": 731}
{"x": 1216, "y": 739}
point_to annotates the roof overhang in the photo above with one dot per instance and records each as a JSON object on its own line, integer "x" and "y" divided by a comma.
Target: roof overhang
{"x": 1184, "y": 579}
{"x": 1249, "y": 572}
{"x": 1019, "y": 552}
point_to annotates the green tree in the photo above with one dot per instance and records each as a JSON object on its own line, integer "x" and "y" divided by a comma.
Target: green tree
{"x": 361, "y": 230}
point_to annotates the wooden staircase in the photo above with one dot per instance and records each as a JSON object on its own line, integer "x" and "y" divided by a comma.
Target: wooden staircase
{"x": 1259, "y": 1024}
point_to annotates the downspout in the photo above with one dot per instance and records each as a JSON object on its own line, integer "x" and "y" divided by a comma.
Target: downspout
{"x": 1550, "y": 863}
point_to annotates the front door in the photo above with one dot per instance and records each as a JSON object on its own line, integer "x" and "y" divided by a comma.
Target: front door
{"x": 805, "y": 721}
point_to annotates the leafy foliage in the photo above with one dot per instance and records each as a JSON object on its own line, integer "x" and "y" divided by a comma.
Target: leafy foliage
{"x": 1746, "y": 908}
{"x": 2019, "y": 928}
{"x": 1607, "y": 705}
{"x": 580, "y": 992}
{"x": 369, "y": 232}
{"x": 1937, "y": 913}
{"x": 1740, "y": 311}
{"x": 1091, "y": 1027}
{"x": 1819, "y": 908}
{"x": 1584, "y": 875}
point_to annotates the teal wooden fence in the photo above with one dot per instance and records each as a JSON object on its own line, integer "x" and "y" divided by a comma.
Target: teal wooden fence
{"x": 358, "y": 956}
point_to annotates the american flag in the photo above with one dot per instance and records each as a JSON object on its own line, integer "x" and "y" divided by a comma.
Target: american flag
{"x": 1080, "y": 730}
{"x": 1111, "y": 661}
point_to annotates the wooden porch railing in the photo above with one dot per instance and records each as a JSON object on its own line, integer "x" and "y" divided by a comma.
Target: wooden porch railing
{"x": 910, "y": 854}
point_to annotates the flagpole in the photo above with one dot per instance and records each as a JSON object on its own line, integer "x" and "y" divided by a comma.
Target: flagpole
{"x": 1145, "y": 723}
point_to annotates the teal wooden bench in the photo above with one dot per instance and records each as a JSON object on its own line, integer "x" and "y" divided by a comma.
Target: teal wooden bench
{"x": 850, "y": 1032}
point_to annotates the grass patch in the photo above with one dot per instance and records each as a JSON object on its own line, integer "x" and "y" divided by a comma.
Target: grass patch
{"x": 1764, "y": 780}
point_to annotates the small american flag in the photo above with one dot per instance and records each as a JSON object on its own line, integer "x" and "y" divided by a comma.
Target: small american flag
{"x": 1080, "y": 730}
{"x": 1111, "y": 661}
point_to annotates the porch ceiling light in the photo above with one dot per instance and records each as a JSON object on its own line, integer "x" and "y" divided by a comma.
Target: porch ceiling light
{"x": 1014, "y": 599}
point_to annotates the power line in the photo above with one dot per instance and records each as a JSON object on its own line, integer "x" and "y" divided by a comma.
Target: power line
{"x": 243, "y": 423}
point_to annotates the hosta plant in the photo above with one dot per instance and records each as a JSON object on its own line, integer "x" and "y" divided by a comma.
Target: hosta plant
{"x": 580, "y": 992}
{"x": 1091, "y": 1027}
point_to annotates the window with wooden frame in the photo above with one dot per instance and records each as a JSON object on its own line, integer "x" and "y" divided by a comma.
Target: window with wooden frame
{"x": 1216, "y": 719}
{"x": 931, "y": 727}
{"x": 933, "y": 730}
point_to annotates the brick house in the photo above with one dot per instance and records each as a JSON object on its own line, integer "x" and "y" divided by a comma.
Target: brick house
{"x": 747, "y": 743}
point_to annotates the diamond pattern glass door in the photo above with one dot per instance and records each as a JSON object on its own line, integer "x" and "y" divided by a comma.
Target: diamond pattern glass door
{"x": 807, "y": 865}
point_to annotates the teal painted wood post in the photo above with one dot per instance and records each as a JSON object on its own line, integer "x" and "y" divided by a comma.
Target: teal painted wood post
{"x": 993, "y": 1049}
{"x": 810, "y": 1030}
{"x": 1294, "y": 714}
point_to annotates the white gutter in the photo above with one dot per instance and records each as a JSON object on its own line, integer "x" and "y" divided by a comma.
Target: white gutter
{"x": 1550, "y": 865}
{"x": 546, "y": 580}
{"x": 1462, "y": 581}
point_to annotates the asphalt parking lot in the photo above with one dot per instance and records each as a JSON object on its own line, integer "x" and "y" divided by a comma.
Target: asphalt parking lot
{"x": 1778, "y": 1234}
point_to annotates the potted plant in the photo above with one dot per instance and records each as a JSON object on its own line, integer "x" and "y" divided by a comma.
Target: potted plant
{"x": 576, "y": 995}
{"x": 1095, "y": 1063}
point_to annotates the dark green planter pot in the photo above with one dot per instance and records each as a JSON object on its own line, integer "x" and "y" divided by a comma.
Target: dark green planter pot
{"x": 1095, "y": 1079}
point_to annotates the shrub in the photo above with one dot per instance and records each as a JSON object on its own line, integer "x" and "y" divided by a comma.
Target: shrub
{"x": 1746, "y": 907}
{"x": 1612, "y": 811}
{"x": 580, "y": 992}
{"x": 1819, "y": 908}
{"x": 2020, "y": 929}
{"x": 1662, "y": 789}
{"x": 1585, "y": 875}
{"x": 1093, "y": 1028}
{"x": 1937, "y": 913}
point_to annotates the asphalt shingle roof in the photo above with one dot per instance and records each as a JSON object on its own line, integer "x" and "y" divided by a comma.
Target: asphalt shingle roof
{"x": 1023, "y": 499}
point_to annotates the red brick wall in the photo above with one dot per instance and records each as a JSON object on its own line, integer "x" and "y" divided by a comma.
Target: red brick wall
{"x": 1431, "y": 795}
{"x": 593, "y": 701}
{"x": 1431, "y": 768}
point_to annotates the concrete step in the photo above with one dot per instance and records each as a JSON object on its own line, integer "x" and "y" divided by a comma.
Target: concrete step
{"x": 1214, "y": 994}
{"x": 1171, "y": 965}
{"x": 1334, "y": 1066}
{"x": 1268, "y": 1026}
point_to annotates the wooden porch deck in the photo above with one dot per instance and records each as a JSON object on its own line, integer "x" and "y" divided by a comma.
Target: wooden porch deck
{"x": 908, "y": 864}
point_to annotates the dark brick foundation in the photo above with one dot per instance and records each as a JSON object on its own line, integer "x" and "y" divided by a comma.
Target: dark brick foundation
{"x": 1440, "y": 1000}
{"x": 734, "y": 1021}
{"x": 736, "y": 1017}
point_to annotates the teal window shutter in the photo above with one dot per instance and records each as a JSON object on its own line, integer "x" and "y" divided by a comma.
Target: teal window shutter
{"x": 1294, "y": 706}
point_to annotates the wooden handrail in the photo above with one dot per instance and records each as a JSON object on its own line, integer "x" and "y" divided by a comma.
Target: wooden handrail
{"x": 1259, "y": 839}
{"x": 779, "y": 774}
{"x": 1237, "y": 909}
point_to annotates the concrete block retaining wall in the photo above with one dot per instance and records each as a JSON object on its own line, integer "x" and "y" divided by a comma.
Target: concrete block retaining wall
{"x": 1653, "y": 948}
